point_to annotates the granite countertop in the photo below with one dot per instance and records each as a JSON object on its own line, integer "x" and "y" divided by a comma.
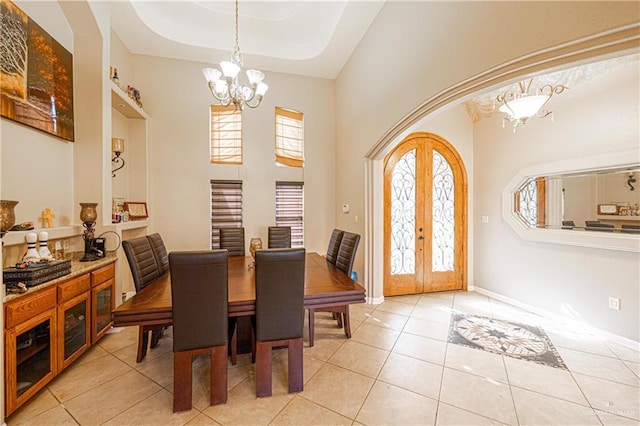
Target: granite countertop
{"x": 77, "y": 268}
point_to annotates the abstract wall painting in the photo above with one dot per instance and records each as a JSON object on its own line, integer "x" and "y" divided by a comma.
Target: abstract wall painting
{"x": 36, "y": 75}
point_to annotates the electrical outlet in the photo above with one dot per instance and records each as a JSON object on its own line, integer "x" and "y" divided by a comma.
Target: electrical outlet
{"x": 614, "y": 303}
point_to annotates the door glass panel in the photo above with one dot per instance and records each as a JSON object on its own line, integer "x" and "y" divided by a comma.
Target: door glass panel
{"x": 527, "y": 200}
{"x": 33, "y": 357}
{"x": 403, "y": 215}
{"x": 442, "y": 231}
{"x": 103, "y": 309}
{"x": 75, "y": 326}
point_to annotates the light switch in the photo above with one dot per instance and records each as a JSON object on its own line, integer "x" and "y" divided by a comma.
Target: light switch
{"x": 485, "y": 219}
{"x": 345, "y": 208}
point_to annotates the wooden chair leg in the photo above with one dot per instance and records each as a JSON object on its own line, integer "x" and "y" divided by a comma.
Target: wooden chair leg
{"x": 347, "y": 322}
{"x": 156, "y": 335}
{"x": 143, "y": 342}
{"x": 263, "y": 369}
{"x": 296, "y": 371}
{"x": 311, "y": 325}
{"x": 338, "y": 317}
{"x": 234, "y": 345}
{"x": 219, "y": 375}
{"x": 182, "y": 381}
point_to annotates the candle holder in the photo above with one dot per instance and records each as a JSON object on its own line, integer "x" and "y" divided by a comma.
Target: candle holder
{"x": 88, "y": 216}
{"x": 254, "y": 244}
{"x": 7, "y": 216}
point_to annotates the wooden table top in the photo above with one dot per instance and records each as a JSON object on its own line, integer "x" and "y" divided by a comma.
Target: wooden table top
{"x": 325, "y": 286}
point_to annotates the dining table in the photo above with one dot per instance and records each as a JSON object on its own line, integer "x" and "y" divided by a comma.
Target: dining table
{"x": 324, "y": 286}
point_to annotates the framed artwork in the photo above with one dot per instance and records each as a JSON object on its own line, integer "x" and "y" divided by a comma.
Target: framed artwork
{"x": 36, "y": 75}
{"x": 137, "y": 210}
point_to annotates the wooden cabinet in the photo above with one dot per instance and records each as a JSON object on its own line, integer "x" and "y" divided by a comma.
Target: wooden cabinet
{"x": 102, "y": 301}
{"x": 46, "y": 330}
{"x": 30, "y": 346}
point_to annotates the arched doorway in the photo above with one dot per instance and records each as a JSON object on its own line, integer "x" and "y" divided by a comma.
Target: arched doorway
{"x": 425, "y": 217}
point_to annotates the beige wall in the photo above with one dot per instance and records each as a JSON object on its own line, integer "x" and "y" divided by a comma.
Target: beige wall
{"x": 411, "y": 54}
{"x": 599, "y": 116}
{"x": 177, "y": 99}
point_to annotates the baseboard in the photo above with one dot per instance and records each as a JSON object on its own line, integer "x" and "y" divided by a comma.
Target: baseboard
{"x": 629, "y": 343}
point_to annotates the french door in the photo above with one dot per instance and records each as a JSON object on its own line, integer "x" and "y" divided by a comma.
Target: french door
{"x": 425, "y": 205}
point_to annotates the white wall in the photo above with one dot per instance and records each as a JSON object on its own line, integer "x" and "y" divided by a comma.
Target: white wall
{"x": 177, "y": 98}
{"x": 600, "y": 116}
{"x": 37, "y": 168}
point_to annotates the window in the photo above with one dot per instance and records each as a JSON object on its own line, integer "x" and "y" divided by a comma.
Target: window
{"x": 226, "y": 208}
{"x": 290, "y": 209}
{"x": 226, "y": 135}
{"x": 289, "y": 138}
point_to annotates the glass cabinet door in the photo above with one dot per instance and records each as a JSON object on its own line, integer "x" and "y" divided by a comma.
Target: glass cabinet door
{"x": 103, "y": 304}
{"x": 74, "y": 328}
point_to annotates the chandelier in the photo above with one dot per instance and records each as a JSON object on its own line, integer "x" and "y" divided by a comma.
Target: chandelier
{"x": 519, "y": 105}
{"x": 226, "y": 88}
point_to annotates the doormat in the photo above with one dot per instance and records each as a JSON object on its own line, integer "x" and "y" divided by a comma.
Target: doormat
{"x": 515, "y": 340}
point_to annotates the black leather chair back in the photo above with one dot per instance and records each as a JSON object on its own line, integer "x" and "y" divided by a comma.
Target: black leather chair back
{"x": 279, "y": 237}
{"x": 334, "y": 245}
{"x": 199, "y": 299}
{"x": 279, "y": 279}
{"x": 142, "y": 262}
{"x": 232, "y": 239}
{"x": 347, "y": 252}
{"x": 160, "y": 252}
{"x": 593, "y": 225}
{"x": 630, "y": 229}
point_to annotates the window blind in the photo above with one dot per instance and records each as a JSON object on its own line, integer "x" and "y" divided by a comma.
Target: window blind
{"x": 289, "y": 138}
{"x": 226, "y": 135}
{"x": 226, "y": 208}
{"x": 290, "y": 209}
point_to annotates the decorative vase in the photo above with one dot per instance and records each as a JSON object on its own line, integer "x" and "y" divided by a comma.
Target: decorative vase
{"x": 7, "y": 215}
{"x": 88, "y": 213}
{"x": 254, "y": 244}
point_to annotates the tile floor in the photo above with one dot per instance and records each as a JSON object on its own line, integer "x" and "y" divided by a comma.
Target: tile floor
{"x": 398, "y": 368}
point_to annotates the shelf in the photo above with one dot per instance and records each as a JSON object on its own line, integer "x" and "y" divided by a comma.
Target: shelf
{"x": 606, "y": 217}
{"x": 12, "y": 238}
{"x": 132, "y": 224}
{"x": 122, "y": 103}
{"x": 28, "y": 353}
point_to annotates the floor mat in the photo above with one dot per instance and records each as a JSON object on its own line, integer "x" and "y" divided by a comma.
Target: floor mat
{"x": 520, "y": 341}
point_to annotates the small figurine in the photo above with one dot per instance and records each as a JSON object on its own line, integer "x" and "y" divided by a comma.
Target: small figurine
{"x": 43, "y": 251}
{"x": 47, "y": 218}
{"x": 31, "y": 256}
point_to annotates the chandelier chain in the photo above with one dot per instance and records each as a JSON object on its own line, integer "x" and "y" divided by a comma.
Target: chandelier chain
{"x": 237, "y": 49}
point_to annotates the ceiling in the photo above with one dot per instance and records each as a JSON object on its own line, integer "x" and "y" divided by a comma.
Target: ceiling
{"x": 310, "y": 38}
{"x": 313, "y": 38}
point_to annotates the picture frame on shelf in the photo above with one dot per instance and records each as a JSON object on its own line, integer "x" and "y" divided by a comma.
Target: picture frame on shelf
{"x": 608, "y": 209}
{"x": 136, "y": 209}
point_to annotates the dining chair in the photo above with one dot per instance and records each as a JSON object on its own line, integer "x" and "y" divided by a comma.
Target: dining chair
{"x": 334, "y": 245}
{"x": 344, "y": 262}
{"x": 630, "y": 229}
{"x": 232, "y": 239}
{"x": 279, "y": 237}
{"x": 596, "y": 225}
{"x": 144, "y": 270}
{"x": 279, "y": 321}
{"x": 199, "y": 294}
{"x": 159, "y": 252}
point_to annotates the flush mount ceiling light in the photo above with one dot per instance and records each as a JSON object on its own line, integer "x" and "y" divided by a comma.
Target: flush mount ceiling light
{"x": 519, "y": 104}
{"x": 226, "y": 88}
